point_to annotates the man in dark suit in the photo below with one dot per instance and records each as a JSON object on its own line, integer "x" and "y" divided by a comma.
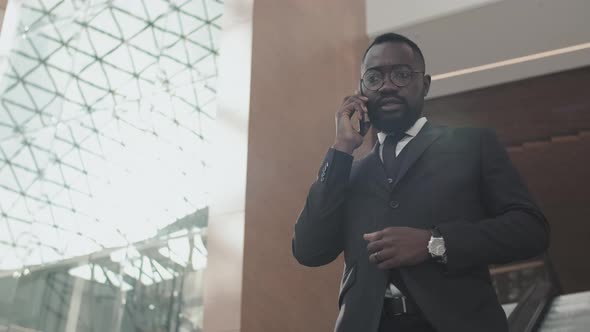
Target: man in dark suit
{"x": 421, "y": 217}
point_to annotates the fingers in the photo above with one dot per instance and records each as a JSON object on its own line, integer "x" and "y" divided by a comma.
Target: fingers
{"x": 381, "y": 249}
{"x": 388, "y": 264}
{"x": 353, "y": 104}
{"x": 376, "y": 257}
{"x": 355, "y": 96}
{"x": 376, "y": 246}
{"x": 373, "y": 236}
{"x": 348, "y": 137}
{"x": 356, "y": 107}
{"x": 362, "y": 101}
{"x": 393, "y": 247}
{"x": 385, "y": 259}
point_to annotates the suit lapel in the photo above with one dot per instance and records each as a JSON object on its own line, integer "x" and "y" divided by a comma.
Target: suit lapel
{"x": 427, "y": 135}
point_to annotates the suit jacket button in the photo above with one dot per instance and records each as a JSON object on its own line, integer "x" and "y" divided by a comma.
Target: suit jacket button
{"x": 394, "y": 204}
{"x": 389, "y": 180}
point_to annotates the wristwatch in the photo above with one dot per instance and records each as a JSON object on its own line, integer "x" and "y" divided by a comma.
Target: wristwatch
{"x": 436, "y": 246}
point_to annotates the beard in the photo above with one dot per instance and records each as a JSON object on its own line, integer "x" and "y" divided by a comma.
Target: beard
{"x": 393, "y": 122}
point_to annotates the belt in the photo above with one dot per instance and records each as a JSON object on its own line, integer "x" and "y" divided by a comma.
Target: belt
{"x": 399, "y": 305}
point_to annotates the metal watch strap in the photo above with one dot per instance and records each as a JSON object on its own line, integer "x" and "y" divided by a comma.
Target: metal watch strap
{"x": 435, "y": 232}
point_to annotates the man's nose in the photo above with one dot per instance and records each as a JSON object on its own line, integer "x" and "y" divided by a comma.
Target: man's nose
{"x": 388, "y": 85}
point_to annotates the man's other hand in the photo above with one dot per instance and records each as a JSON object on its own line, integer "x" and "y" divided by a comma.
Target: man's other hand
{"x": 393, "y": 247}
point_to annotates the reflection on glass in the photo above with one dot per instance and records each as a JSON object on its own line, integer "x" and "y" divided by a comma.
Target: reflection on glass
{"x": 106, "y": 110}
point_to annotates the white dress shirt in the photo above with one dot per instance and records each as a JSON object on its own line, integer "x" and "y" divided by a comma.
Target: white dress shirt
{"x": 410, "y": 134}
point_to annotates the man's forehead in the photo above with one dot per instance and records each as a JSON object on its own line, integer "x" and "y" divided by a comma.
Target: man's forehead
{"x": 391, "y": 54}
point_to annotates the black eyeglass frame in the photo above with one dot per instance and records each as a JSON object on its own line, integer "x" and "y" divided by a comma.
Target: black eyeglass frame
{"x": 391, "y": 78}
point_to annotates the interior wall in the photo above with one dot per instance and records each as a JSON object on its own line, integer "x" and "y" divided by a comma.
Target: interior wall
{"x": 472, "y": 37}
{"x": 545, "y": 123}
{"x": 306, "y": 58}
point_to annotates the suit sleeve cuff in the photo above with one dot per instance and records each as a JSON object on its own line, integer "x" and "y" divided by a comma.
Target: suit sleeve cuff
{"x": 335, "y": 167}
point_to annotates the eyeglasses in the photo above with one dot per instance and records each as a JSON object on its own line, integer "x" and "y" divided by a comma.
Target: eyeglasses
{"x": 374, "y": 79}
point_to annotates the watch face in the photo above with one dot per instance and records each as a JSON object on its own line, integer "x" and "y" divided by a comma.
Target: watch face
{"x": 439, "y": 250}
{"x": 436, "y": 246}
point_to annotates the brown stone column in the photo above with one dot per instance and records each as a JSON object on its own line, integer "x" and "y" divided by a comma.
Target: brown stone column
{"x": 305, "y": 60}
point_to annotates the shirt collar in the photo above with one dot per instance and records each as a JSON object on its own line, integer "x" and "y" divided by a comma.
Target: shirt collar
{"x": 412, "y": 131}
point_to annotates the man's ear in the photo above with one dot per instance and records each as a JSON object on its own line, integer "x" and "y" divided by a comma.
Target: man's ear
{"x": 427, "y": 80}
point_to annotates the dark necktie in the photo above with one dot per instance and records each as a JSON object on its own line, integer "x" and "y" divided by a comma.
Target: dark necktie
{"x": 390, "y": 161}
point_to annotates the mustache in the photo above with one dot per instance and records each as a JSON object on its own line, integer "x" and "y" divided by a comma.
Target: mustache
{"x": 390, "y": 98}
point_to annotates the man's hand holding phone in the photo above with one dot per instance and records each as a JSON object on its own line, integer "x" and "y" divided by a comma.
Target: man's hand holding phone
{"x": 348, "y": 138}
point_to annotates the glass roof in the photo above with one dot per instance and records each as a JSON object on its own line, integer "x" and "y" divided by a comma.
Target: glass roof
{"x": 106, "y": 110}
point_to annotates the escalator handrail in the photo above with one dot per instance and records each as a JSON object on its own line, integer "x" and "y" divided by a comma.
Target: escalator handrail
{"x": 531, "y": 310}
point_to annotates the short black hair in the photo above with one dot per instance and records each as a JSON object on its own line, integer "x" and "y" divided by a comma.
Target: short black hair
{"x": 391, "y": 37}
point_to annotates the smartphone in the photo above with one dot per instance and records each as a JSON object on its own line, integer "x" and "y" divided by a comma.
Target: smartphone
{"x": 364, "y": 124}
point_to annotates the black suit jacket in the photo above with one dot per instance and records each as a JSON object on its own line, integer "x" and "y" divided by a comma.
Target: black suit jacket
{"x": 460, "y": 180}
